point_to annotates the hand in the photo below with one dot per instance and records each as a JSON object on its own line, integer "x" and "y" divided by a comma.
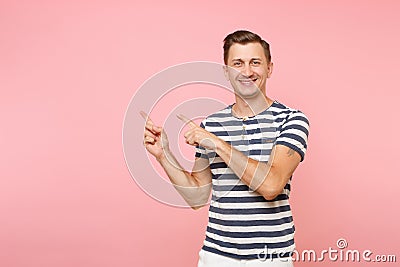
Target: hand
{"x": 155, "y": 139}
{"x": 198, "y": 136}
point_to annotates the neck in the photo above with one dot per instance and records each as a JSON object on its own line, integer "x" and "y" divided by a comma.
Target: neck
{"x": 250, "y": 107}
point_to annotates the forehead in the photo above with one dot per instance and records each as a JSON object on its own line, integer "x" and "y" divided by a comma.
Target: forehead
{"x": 246, "y": 51}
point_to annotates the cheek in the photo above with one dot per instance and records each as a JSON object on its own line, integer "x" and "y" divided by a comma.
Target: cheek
{"x": 264, "y": 73}
{"x": 261, "y": 73}
{"x": 233, "y": 73}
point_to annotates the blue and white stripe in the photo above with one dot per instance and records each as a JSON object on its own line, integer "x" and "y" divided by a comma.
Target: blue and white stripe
{"x": 242, "y": 223}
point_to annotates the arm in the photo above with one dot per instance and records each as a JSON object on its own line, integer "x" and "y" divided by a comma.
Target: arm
{"x": 195, "y": 186}
{"x": 268, "y": 179}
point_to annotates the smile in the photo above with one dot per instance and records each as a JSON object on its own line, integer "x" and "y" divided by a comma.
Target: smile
{"x": 247, "y": 81}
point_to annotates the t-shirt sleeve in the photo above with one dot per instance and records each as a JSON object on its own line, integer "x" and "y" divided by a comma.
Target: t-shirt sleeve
{"x": 199, "y": 150}
{"x": 294, "y": 133}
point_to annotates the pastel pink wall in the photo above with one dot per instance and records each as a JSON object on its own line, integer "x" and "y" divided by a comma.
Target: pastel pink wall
{"x": 68, "y": 70}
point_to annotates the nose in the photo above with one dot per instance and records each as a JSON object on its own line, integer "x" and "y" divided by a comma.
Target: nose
{"x": 247, "y": 70}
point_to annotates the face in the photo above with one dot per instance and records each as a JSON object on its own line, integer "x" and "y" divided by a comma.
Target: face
{"x": 248, "y": 69}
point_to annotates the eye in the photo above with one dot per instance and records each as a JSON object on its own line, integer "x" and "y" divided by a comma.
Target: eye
{"x": 255, "y": 62}
{"x": 237, "y": 63}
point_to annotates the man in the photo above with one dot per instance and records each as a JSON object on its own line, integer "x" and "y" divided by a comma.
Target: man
{"x": 246, "y": 155}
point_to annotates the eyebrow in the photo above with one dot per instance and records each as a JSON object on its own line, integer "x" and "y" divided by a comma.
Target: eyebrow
{"x": 252, "y": 59}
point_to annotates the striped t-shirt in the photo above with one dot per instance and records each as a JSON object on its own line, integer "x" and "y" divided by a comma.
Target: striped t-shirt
{"x": 242, "y": 223}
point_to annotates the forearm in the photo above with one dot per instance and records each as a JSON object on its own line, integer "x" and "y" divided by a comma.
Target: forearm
{"x": 194, "y": 193}
{"x": 268, "y": 179}
{"x": 259, "y": 176}
{"x": 176, "y": 173}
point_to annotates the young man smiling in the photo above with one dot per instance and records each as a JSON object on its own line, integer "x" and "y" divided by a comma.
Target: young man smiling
{"x": 245, "y": 155}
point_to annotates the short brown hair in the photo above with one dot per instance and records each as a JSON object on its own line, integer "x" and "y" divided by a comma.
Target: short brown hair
{"x": 244, "y": 37}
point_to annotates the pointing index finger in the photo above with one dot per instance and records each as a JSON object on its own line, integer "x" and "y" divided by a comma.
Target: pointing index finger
{"x": 186, "y": 120}
{"x": 149, "y": 123}
{"x": 145, "y": 116}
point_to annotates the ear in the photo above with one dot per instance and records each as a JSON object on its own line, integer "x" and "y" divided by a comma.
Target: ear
{"x": 225, "y": 69}
{"x": 270, "y": 68}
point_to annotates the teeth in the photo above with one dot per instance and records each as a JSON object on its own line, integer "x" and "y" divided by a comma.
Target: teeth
{"x": 247, "y": 81}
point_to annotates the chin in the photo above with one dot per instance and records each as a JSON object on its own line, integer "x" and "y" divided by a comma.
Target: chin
{"x": 248, "y": 94}
{"x": 247, "y": 91}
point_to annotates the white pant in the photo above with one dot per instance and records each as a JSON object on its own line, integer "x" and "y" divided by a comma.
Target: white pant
{"x": 208, "y": 259}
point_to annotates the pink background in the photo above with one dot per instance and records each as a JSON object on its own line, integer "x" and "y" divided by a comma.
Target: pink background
{"x": 68, "y": 70}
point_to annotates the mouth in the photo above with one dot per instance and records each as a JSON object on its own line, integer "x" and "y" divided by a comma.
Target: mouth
{"x": 247, "y": 81}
